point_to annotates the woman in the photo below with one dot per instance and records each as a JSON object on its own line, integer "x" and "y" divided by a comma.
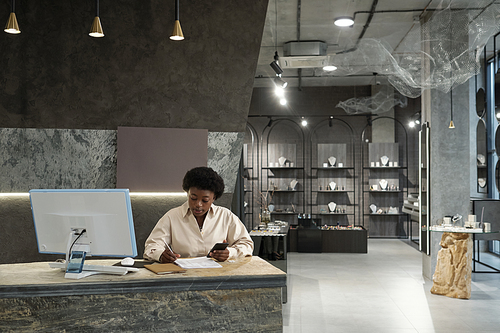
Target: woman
{"x": 193, "y": 228}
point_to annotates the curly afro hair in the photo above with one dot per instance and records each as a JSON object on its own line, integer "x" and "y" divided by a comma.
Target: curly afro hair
{"x": 204, "y": 178}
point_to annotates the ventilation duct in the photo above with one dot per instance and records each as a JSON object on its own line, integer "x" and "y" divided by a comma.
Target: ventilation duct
{"x": 307, "y": 54}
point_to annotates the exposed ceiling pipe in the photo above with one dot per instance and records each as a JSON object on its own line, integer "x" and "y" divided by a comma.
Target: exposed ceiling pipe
{"x": 299, "y": 71}
{"x": 365, "y": 27}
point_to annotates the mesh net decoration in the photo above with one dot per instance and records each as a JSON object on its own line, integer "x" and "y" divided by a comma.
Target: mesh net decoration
{"x": 381, "y": 102}
{"x": 440, "y": 53}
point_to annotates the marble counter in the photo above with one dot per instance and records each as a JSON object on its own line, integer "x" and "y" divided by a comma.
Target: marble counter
{"x": 242, "y": 295}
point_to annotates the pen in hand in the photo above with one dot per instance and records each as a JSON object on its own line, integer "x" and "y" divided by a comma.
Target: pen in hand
{"x": 168, "y": 256}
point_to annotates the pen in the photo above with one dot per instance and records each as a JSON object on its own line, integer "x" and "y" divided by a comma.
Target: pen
{"x": 168, "y": 247}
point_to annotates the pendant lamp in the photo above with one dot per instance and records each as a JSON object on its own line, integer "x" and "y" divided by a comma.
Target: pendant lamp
{"x": 96, "y": 28}
{"x": 177, "y": 33}
{"x": 452, "y": 125}
{"x": 12, "y": 27}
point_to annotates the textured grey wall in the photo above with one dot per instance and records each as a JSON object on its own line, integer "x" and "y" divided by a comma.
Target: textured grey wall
{"x": 54, "y": 76}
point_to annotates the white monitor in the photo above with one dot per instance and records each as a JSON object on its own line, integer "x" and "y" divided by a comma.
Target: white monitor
{"x": 106, "y": 216}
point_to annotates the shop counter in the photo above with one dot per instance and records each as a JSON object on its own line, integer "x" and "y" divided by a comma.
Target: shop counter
{"x": 244, "y": 295}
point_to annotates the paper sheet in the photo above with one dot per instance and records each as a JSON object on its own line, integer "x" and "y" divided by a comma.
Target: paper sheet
{"x": 199, "y": 262}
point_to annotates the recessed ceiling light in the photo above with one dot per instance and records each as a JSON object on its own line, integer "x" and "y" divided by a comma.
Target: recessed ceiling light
{"x": 344, "y": 21}
{"x": 329, "y": 68}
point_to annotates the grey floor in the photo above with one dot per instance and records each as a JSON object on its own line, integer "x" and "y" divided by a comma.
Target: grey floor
{"x": 382, "y": 291}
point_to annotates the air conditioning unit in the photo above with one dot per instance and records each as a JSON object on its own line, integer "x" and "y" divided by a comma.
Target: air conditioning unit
{"x": 306, "y": 54}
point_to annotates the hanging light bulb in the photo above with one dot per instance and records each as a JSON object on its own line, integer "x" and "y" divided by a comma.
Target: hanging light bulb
{"x": 177, "y": 33}
{"x": 12, "y": 27}
{"x": 96, "y": 28}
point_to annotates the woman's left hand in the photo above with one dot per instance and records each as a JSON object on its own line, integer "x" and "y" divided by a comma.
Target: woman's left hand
{"x": 220, "y": 255}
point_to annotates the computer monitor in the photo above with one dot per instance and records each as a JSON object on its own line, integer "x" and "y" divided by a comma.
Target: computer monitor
{"x": 98, "y": 222}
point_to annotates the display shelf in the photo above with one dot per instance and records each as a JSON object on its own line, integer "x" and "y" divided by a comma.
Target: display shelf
{"x": 332, "y": 191}
{"x": 333, "y": 161}
{"x": 378, "y": 159}
{"x": 332, "y": 168}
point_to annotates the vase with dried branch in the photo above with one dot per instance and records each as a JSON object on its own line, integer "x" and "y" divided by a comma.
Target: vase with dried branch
{"x": 265, "y": 200}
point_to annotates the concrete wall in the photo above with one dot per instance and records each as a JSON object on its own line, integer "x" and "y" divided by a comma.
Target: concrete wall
{"x": 54, "y": 76}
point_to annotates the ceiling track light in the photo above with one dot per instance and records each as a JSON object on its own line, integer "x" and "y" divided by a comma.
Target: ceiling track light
{"x": 275, "y": 64}
{"x": 177, "y": 33}
{"x": 12, "y": 27}
{"x": 279, "y": 82}
{"x": 344, "y": 21}
{"x": 96, "y": 28}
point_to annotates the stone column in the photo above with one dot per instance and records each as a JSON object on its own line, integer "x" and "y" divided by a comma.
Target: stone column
{"x": 449, "y": 155}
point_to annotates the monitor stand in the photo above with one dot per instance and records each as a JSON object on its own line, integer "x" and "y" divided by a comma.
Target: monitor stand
{"x": 86, "y": 270}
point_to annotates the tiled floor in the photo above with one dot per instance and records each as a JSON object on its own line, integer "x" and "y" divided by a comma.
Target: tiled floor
{"x": 382, "y": 291}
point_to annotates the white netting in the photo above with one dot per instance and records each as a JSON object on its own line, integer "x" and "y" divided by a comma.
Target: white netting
{"x": 441, "y": 53}
{"x": 384, "y": 100}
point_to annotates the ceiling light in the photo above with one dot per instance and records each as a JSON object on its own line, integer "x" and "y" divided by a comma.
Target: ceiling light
{"x": 96, "y": 28}
{"x": 344, "y": 21}
{"x": 282, "y": 101}
{"x": 278, "y": 81}
{"x": 276, "y": 67}
{"x": 303, "y": 122}
{"x": 329, "y": 68}
{"x": 177, "y": 33}
{"x": 280, "y": 92}
{"x": 411, "y": 124}
{"x": 275, "y": 64}
{"x": 12, "y": 27}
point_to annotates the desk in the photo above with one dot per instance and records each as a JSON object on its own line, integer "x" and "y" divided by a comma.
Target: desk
{"x": 241, "y": 296}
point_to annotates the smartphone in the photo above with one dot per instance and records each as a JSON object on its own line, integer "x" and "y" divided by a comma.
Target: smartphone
{"x": 76, "y": 260}
{"x": 218, "y": 246}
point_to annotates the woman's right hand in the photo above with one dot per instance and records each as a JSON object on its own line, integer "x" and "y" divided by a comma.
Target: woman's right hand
{"x": 168, "y": 257}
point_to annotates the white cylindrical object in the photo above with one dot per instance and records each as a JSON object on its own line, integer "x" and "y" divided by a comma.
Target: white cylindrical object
{"x": 325, "y": 165}
{"x": 487, "y": 227}
{"x": 377, "y": 164}
{"x": 372, "y": 164}
{"x": 472, "y": 218}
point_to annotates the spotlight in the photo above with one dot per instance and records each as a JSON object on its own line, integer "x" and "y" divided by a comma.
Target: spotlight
{"x": 270, "y": 122}
{"x": 277, "y": 69}
{"x": 329, "y": 68}
{"x": 330, "y": 121}
{"x": 279, "y": 82}
{"x": 280, "y": 92}
{"x": 275, "y": 65}
{"x": 344, "y": 21}
{"x": 282, "y": 101}
{"x": 414, "y": 120}
{"x": 304, "y": 122}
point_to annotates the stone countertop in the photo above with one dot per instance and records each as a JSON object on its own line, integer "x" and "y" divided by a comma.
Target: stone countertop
{"x": 38, "y": 279}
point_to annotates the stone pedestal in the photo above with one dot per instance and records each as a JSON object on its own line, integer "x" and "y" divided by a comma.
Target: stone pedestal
{"x": 452, "y": 276}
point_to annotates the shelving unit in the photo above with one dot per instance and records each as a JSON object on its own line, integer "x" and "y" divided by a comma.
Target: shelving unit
{"x": 423, "y": 194}
{"x": 251, "y": 177}
{"x": 282, "y": 171}
{"x": 384, "y": 183}
{"x": 333, "y": 186}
